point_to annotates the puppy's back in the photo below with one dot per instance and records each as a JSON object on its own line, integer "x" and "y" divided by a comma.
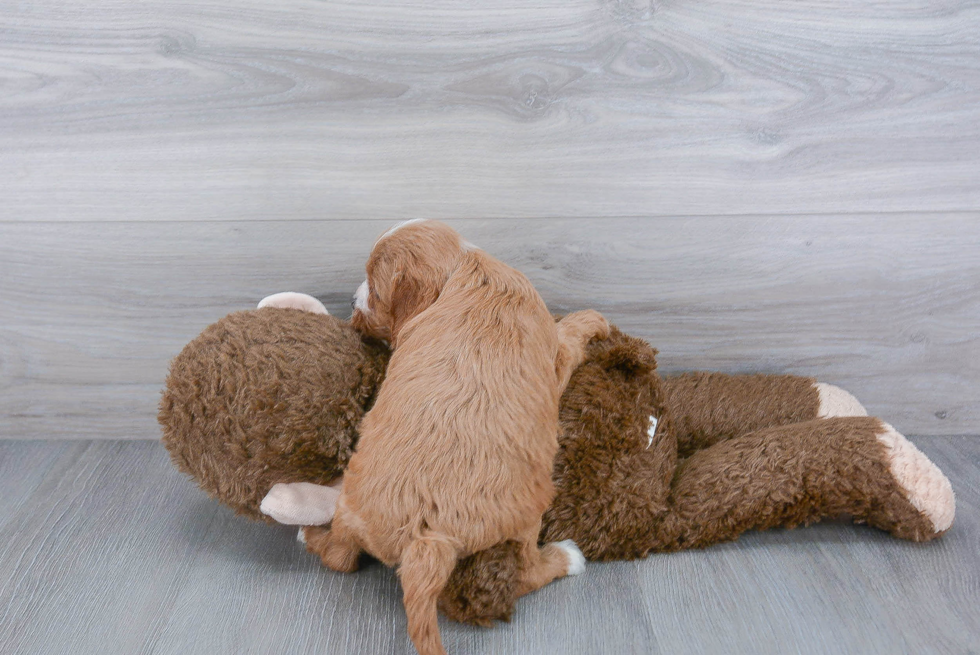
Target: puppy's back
{"x": 462, "y": 436}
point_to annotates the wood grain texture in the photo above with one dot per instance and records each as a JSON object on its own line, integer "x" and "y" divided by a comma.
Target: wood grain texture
{"x": 107, "y": 549}
{"x": 219, "y": 110}
{"x": 887, "y": 307}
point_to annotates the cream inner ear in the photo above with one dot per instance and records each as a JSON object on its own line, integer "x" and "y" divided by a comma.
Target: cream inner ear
{"x": 293, "y": 300}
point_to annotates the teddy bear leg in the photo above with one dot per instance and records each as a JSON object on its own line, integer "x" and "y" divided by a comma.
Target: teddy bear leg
{"x": 921, "y": 483}
{"x": 799, "y": 474}
{"x": 293, "y": 300}
{"x": 835, "y": 402}
{"x": 574, "y": 333}
{"x": 483, "y": 586}
{"x": 711, "y": 407}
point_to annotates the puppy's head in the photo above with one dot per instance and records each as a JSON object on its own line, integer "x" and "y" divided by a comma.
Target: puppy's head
{"x": 406, "y": 272}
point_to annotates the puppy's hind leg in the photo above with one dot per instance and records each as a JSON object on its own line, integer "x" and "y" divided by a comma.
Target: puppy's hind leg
{"x": 336, "y": 545}
{"x": 425, "y": 568}
{"x": 548, "y": 563}
{"x": 574, "y": 333}
{"x": 539, "y": 566}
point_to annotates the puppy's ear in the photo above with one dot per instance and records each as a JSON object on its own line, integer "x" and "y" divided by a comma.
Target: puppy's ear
{"x": 409, "y": 297}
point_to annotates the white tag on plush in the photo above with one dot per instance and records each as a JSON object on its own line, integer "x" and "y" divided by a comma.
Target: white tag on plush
{"x": 652, "y": 432}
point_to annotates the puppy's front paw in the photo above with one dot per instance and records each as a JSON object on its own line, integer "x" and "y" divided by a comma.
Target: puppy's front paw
{"x": 576, "y": 560}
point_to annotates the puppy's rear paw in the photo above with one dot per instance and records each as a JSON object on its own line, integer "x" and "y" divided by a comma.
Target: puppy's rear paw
{"x": 576, "y": 560}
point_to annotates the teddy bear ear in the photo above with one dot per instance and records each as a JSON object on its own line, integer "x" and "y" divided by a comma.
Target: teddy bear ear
{"x": 630, "y": 355}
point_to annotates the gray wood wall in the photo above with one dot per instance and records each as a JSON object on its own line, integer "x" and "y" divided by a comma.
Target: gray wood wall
{"x": 752, "y": 186}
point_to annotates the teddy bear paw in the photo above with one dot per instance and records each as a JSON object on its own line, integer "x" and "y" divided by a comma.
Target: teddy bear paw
{"x": 834, "y": 401}
{"x": 576, "y": 560}
{"x": 300, "y": 503}
{"x": 925, "y": 486}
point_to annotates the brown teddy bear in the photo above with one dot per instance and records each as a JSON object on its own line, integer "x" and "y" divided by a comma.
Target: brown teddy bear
{"x": 262, "y": 408}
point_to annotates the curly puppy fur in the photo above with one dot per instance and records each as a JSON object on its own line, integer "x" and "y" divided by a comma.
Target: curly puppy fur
{"x": 456, "y": 454}
{"x": 267, "y": 396}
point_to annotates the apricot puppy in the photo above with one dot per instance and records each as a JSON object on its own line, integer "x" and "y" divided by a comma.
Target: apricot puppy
{"x": 457, "y": 453}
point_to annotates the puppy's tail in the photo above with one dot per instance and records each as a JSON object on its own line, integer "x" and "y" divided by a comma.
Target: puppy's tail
{"x": 425, "y": 568}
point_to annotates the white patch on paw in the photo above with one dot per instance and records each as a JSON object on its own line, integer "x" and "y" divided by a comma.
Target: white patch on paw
{"x": 926, "y": 487}
{"x": 834, "y": 401}
{"x": 293, "y": 300}
{"x": 301, "y": 536}
{"x": 576, "y": 560}
{"x": 652, "y": 431}
{"x": 300, "y": 503}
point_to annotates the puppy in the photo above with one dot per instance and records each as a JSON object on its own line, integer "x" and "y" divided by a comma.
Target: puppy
{"x": 456, "y": 454}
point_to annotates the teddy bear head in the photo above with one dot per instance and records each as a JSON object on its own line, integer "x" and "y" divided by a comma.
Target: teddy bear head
{"x": 266, "y": 396}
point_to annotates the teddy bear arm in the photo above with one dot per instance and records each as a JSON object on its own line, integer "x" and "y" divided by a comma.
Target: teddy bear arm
{"x": 302, "y": 503}
{"x": 712, "y": 407}
{"x": 799, "y": 474}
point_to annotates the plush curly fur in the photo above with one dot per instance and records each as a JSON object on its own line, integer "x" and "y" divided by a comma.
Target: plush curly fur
{"x": 729, "y": 454}
{"x": 275, "y": 396}
{"x": 266, "y": 396}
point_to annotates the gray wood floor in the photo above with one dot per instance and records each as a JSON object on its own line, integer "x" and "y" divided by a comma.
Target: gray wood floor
{"x": 105, "y": 548}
